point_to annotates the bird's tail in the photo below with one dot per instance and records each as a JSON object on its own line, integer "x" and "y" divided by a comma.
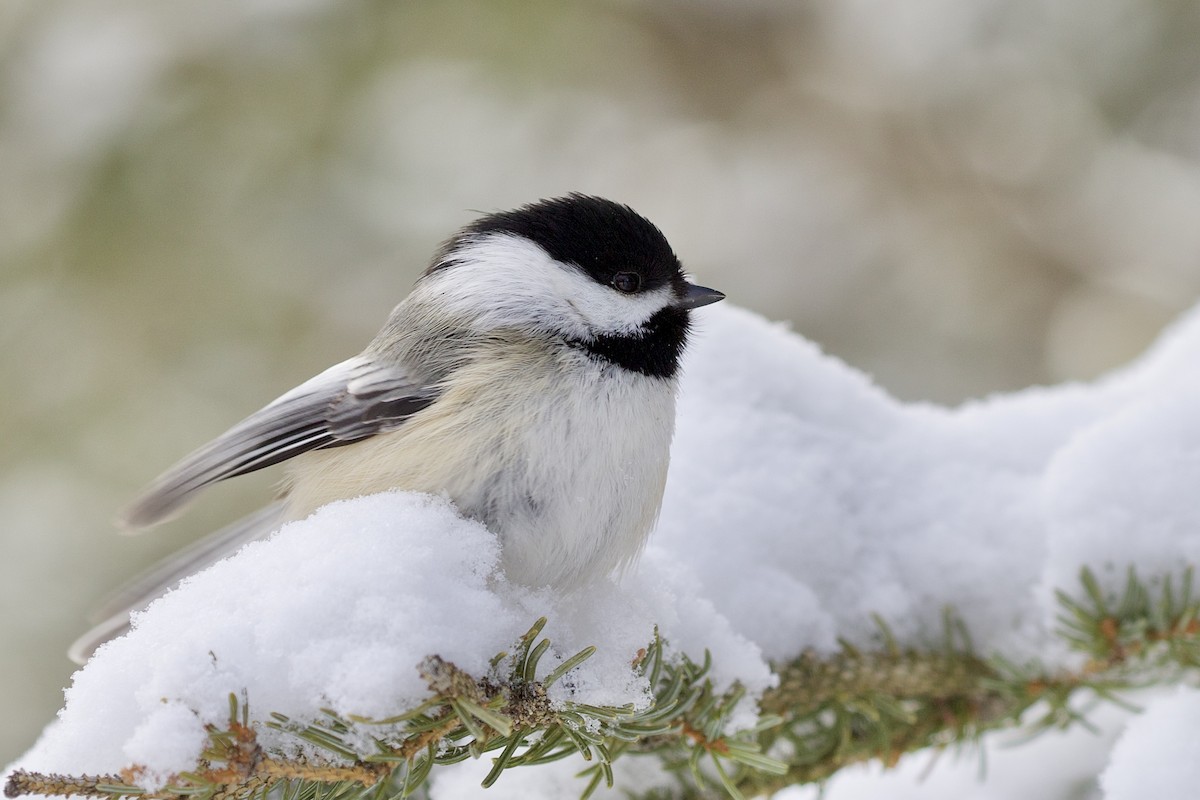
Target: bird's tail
{"x": 164, "y": 575}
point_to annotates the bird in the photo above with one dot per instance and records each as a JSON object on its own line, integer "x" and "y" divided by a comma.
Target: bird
{"x": 529, "y": 376}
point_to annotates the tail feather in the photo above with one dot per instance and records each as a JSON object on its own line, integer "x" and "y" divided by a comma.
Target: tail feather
{"x": 166, "y": 574}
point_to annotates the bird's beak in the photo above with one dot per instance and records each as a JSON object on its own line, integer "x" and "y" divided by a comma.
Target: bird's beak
{"x": 695, "y": 296}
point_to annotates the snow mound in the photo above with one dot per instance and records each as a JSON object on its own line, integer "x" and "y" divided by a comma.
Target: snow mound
{"x": 798, "y": 486}
{"x": 1158, "y": 755}
{"x": 336, "y": 611}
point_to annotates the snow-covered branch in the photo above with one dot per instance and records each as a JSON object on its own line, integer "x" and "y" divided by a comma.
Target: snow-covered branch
{"x": 811, "y": 523}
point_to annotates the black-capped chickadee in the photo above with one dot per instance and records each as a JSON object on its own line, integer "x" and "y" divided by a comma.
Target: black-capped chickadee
{"x": 530, "y": 376}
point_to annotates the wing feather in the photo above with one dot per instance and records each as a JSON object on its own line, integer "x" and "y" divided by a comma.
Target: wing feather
{"x": 350, "y": 401}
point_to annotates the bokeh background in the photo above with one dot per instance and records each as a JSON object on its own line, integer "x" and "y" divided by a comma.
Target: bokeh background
{"x": 204, "y": 202}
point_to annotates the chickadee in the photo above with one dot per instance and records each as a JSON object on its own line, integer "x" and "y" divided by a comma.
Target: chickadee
{"x": 530, "y": 376}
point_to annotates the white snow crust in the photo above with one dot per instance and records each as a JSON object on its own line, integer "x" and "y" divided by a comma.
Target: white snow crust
{"x": 802, "y": 499}
{"x": 1158, "y": 755}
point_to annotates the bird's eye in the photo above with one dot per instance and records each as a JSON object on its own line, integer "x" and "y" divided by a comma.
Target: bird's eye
{"x": 627, "y": 282}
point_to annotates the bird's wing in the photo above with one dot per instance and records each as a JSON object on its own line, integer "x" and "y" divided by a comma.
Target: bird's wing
{"x": 352, "y": 400}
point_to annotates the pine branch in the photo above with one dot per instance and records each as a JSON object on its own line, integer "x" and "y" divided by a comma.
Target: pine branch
{"x": 880, "y": 705}
{"x": 826, "y": 713}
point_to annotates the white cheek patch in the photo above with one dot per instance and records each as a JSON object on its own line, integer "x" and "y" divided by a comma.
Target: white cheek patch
{"x": 505, "y": 281}
{"x": 612, "y": 312}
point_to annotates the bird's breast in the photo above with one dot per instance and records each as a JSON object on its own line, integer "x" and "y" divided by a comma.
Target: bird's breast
{"x": 563, "y": 458}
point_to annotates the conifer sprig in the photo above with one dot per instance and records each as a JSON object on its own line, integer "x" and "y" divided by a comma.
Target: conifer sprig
{"x": 826, "y": 713}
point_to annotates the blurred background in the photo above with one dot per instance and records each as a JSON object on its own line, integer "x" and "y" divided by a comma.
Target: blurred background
{"x": 204, "y": 202}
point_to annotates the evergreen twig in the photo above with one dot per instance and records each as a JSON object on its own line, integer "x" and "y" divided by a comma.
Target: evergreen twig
{"x": 826, "y": 713}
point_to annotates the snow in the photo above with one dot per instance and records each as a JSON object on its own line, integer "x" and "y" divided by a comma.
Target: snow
{"x": 853, "y": 504}
{"x": 336, "y": 611}
{"x": 288, "y": 621}
{"x": 1158, "y": 755}
{"x": 1057, "y": 765}
{"x": 802, "y": 500}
